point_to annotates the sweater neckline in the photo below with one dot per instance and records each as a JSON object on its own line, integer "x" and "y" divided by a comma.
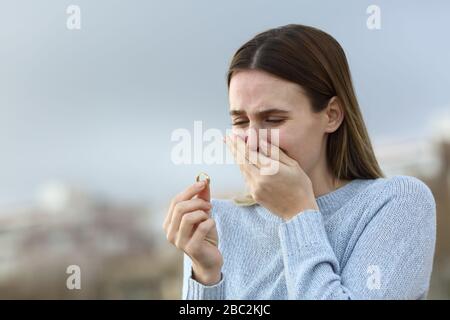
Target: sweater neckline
{"x": 329, "y": 202}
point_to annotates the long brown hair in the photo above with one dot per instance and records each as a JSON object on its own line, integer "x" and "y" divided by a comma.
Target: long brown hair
{"x": 314, "y": 60}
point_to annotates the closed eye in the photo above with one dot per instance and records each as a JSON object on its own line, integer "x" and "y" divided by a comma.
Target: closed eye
{"x": 238, "y": 123}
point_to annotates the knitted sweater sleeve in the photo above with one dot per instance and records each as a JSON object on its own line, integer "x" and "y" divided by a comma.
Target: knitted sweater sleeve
{"x": 391, "y": 259}
{"x": 194, "y": 290}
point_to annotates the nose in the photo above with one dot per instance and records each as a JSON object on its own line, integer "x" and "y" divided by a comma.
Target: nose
{"x": 252, "y": 138}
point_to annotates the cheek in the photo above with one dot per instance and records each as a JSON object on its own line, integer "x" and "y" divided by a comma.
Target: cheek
{"x": 239, "y": 132}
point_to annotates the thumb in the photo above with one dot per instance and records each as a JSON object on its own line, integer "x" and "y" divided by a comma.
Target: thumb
{"x": 205, "y": 193}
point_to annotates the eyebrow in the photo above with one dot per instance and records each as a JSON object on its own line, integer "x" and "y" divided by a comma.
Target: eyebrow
{"x": 261, "y": 113}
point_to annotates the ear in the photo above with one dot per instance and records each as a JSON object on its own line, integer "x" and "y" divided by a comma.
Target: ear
{"x": 334, "y": 114}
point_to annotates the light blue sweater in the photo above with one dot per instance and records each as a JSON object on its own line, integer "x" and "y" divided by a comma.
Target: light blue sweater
{"x": 371, "y": 239}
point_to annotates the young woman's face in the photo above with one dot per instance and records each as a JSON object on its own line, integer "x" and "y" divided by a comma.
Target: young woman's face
{"x": 301, "y": 131}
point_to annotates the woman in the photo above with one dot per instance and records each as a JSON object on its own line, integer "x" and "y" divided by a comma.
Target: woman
{"x": 326, "y": 224}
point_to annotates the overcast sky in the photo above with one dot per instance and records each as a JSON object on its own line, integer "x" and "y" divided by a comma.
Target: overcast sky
{"x": 96, "y": 107}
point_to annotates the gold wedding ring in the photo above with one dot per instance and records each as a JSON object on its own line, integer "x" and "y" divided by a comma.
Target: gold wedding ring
{"x": 204, "y": 175}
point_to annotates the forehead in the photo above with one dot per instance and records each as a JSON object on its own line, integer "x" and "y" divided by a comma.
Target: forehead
{"x": 255, "y": 90}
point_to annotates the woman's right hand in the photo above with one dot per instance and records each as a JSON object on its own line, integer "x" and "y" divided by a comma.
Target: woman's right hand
{"x": 189, "y": 227}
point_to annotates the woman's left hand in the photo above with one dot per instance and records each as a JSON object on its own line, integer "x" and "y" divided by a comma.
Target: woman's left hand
{"x": 276, "y": 181}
